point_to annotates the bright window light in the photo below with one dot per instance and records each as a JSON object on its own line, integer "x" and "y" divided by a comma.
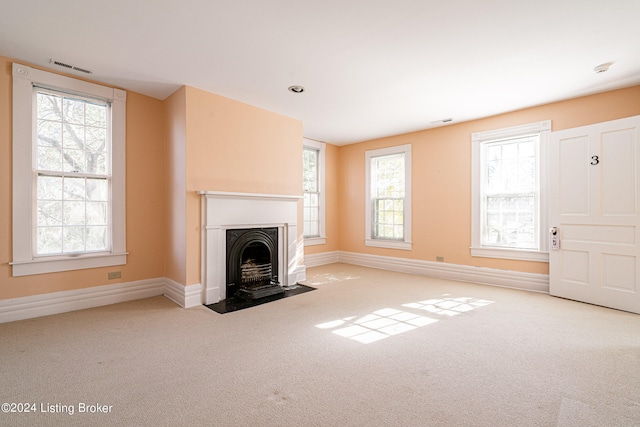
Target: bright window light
{"x": 388, "y": 322}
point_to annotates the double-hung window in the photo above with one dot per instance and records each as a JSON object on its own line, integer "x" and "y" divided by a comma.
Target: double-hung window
{"x": 388, "y": 197}
{"x": 313, "y": 161}
{"x": 68, "y": 210}
{"x": 509, "y": 194}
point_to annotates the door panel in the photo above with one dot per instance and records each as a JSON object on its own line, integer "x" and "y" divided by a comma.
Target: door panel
{"x": 574, "y": 176}
{"x": 575, "y": 267}
{"x": 594, "y": 193}
{"x": 619, "y": 272}
{"x": 618, "y": 192}
{"x": 611, "y": 234}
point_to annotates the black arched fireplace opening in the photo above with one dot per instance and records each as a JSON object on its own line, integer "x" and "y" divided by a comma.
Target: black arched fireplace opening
{"x": 252, "y": 263}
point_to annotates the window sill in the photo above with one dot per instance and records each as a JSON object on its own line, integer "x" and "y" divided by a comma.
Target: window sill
{"x": 517, "y": 254}
{"x": 67, "y": 263}
{"x": 388, "y": 244}
{"x": 311, "y": 241}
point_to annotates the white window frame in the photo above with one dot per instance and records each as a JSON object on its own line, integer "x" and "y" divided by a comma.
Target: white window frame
{"x": 405, "y": 244}
{"x": 477, "y": 139}
{"x": 321, "y": 148}
{"x": 24, "y": 261}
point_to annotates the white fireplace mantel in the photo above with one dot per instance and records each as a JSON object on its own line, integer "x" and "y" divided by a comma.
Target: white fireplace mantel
{"x": 225, "y": 210}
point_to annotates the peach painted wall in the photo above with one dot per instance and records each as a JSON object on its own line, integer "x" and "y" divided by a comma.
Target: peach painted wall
{"x": 331, "y": 203}
{"x": 176, "y": 149}
{"x": 441, "y": 179}
{"x": 236, "y": 147}
{"x": 145, "y": 201}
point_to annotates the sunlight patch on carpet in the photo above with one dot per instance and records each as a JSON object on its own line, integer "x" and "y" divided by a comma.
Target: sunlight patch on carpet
{"x": 377, "y": 325}
{"x": 323, "y": 279}
{"x": 388, "y": 322}
{"x": 449, "y": 306}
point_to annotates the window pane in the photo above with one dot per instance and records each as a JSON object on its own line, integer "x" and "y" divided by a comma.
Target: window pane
{"x": 96, "y": 139}
{"x": 74, "y": 189}
{"x": 96, "y": 213}
{"x": 311, "y": 229}
{"x": 49, "y": 158}
{"x": 96, "y": 238}
{"x": 97, "y": 189}
{"x": 95, "y": 115}
{"x": 49, "y": 213}
{"x": 509, "y": 151}
{"x": 527, "y": 174}
{"x": 49, "y": 133}
{"x": 74, "y": 213}
{"x": 398, "y": 218}
{"x": 73, "y": 136}
{"x": 73, "y": 239}
{"x": 73, "y": 110}
{"x": 49, "y": 188}
{"x": 49, "y": 107}
{"x": 313, "y": 199}
{"x": 73, "y": 161}
{"x": 49, "y": 240}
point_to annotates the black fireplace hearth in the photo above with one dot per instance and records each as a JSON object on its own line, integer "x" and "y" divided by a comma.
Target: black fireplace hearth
{"x": 232, "y": 304}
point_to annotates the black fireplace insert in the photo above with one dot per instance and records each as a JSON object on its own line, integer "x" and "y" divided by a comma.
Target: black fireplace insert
{"x": 252, "y": 263}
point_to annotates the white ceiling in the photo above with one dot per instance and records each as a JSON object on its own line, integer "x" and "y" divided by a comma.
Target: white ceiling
{"x": 371, "y": 68}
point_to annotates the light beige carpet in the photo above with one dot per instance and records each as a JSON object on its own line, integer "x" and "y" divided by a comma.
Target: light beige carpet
{"x": 368, "y": 347}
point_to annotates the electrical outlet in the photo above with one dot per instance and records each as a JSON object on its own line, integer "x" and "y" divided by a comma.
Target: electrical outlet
{"x": 439, "y": 259}
{"x": 114, "y": 275}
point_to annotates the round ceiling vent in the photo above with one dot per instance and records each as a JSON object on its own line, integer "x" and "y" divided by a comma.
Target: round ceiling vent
{"x": 602, "y": 67}
{"x": 296, "y": 89}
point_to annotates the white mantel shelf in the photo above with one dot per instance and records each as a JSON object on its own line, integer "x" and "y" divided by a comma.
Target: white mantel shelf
{"x": 222, "y": 211}
{"x": 232, "y": 195}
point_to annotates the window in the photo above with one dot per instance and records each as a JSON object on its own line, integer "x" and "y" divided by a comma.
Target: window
{"x": 313, "y": 187}
{"x": 509, "y": 195}
{"x": 71, "y": 176}
{"x": 388, "y": 197}
{"x": 68, "y": 166}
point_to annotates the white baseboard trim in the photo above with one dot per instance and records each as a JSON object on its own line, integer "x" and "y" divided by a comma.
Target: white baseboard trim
{"x": 191, "y": 296}
{"x": 323, "y": 258}
{"x": 464, "y": 273}
{"x": 184, "y": 296}
{"x": 79, "y": 299}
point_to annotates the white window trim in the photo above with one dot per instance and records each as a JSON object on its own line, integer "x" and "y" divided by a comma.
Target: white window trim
{"x": 24, "y": 262}
{"x": 321, "y": 147}
{"x": 541, "y": 255}
{"x": 406, "y": 244}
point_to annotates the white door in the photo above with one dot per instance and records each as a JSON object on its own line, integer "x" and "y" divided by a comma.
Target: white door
{"x": 594, "y": 194}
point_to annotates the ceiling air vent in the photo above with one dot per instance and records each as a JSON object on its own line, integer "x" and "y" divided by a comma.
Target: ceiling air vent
{"x": 447, "y": 120}
{"x": 71, "y": 67}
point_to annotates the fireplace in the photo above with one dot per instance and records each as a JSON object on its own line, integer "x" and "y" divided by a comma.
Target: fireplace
{"x": 252, "y": 263}
{"x": 274, "y": 240}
